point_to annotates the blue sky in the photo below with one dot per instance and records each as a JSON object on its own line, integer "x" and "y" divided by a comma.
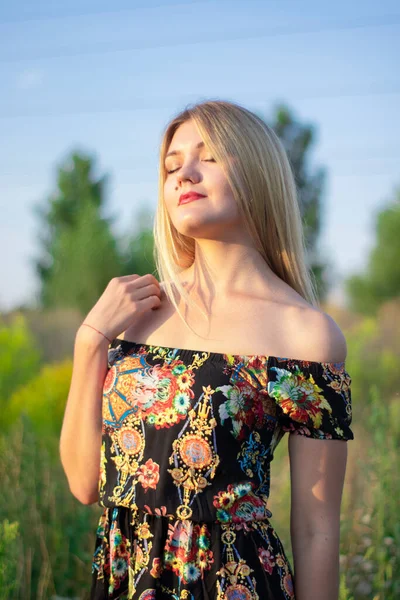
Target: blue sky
{"x": 106, "y": 81}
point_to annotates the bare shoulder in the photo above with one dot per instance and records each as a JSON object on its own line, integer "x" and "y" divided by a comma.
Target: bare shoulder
{"x": 317, "y": 335}
{"x": 320, "y": 335}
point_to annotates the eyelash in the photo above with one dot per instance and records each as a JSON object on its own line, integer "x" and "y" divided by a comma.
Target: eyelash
{"x": 205, "y": 160}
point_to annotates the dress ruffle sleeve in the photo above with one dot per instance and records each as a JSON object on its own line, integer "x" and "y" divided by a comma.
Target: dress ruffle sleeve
{"x": 313, "y": 398}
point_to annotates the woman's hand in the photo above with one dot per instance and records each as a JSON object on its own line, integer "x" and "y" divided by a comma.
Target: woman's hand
{"x": 123, "y": 300}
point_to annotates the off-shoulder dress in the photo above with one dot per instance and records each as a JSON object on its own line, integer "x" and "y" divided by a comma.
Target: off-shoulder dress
{"x": 187, "y": 442}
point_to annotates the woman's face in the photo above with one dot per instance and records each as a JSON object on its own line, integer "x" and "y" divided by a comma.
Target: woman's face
{"x": 193, "y": 169}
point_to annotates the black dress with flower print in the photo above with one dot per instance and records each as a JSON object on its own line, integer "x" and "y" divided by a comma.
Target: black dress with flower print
{"x": 188, "y": 438}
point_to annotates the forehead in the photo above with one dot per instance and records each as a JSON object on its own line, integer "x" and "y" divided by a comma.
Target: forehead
{"x": 187, "y": 134}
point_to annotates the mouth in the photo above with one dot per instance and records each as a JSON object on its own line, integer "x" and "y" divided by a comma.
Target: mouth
{"x": 185, "y": 198}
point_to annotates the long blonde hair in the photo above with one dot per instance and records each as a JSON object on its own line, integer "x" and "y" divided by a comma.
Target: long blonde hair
{"x": 263, "y": 185}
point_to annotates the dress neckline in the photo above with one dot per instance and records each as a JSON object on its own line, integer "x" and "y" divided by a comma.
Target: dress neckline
{"x": 222, "y": 356}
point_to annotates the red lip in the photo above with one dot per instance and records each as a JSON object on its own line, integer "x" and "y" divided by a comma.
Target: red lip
{"x": 184, "y": 198}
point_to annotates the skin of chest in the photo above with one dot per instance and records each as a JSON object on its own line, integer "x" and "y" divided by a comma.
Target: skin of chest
{"x": 242, "y": 326}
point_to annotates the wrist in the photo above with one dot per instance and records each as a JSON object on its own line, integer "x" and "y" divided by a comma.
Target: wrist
{"x": 90, "y": 337}
{"x": 84, "y": 324}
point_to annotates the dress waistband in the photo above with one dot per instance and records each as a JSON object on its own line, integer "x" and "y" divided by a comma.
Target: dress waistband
{"x": 241, "y": 515}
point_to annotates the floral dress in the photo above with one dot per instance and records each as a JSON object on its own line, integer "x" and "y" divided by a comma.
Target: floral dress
{"x": 188, "y": 438}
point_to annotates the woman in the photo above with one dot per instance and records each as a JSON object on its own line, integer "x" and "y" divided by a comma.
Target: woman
{"x": 205, "y": 374}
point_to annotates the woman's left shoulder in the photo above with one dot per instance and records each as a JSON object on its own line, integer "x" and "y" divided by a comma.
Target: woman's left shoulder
{"x": 321, "y": 335}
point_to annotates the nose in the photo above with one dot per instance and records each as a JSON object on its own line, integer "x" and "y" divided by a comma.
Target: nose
{"x": 188, "y": 171}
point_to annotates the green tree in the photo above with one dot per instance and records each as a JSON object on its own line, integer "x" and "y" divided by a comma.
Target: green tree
{"x": 381, "y": 280}
{"x": 85, "y": 259}
{"x": 79, "y": 251}
{"x": 137, "y": 246}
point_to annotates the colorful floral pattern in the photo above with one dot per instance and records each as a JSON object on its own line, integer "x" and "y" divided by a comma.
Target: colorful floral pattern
{"x": 187, "y": 443}
{"x": 307, "y": 408}
{"x": 253, "y": 459}
{"x": 239, "y": 504}
{"x": 187, "y": 550}
{"x": 243, "y": 407}
{"x": 149, "y": 474}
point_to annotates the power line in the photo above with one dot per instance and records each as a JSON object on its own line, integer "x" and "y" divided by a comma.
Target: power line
{"x": 384, "y": 21}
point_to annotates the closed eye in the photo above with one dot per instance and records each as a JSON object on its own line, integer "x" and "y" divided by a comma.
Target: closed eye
{"x": 205, "y": 160}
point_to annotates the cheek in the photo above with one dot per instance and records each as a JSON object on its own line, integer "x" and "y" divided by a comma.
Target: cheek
{"x": 221, "y": 185}
{"x": 217, "y": 180}
{"x": 169, "y": 186}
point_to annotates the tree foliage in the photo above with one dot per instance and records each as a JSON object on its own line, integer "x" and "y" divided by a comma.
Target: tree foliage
{"x": 381, "y": 280}
{"x": 79, "y": 250}
{"x": 137, "y": 246}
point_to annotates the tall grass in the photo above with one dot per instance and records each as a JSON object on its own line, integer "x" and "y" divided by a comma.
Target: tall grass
{"x": 46, "y": 536}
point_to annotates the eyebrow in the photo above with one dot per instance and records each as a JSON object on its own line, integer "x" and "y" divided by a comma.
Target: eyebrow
{"x": 174, "y": 152}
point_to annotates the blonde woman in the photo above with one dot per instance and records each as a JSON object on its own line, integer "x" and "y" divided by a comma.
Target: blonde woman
{"x": 182, "y": 390}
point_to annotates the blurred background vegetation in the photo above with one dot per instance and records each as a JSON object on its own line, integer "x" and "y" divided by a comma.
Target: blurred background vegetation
{"x": 46, "y": 536}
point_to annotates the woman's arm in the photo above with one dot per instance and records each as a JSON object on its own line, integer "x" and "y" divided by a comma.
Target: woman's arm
{"x": 124, "y": 300}
{"x": 317, "y": 471}
{"x": 80, "y": 441}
